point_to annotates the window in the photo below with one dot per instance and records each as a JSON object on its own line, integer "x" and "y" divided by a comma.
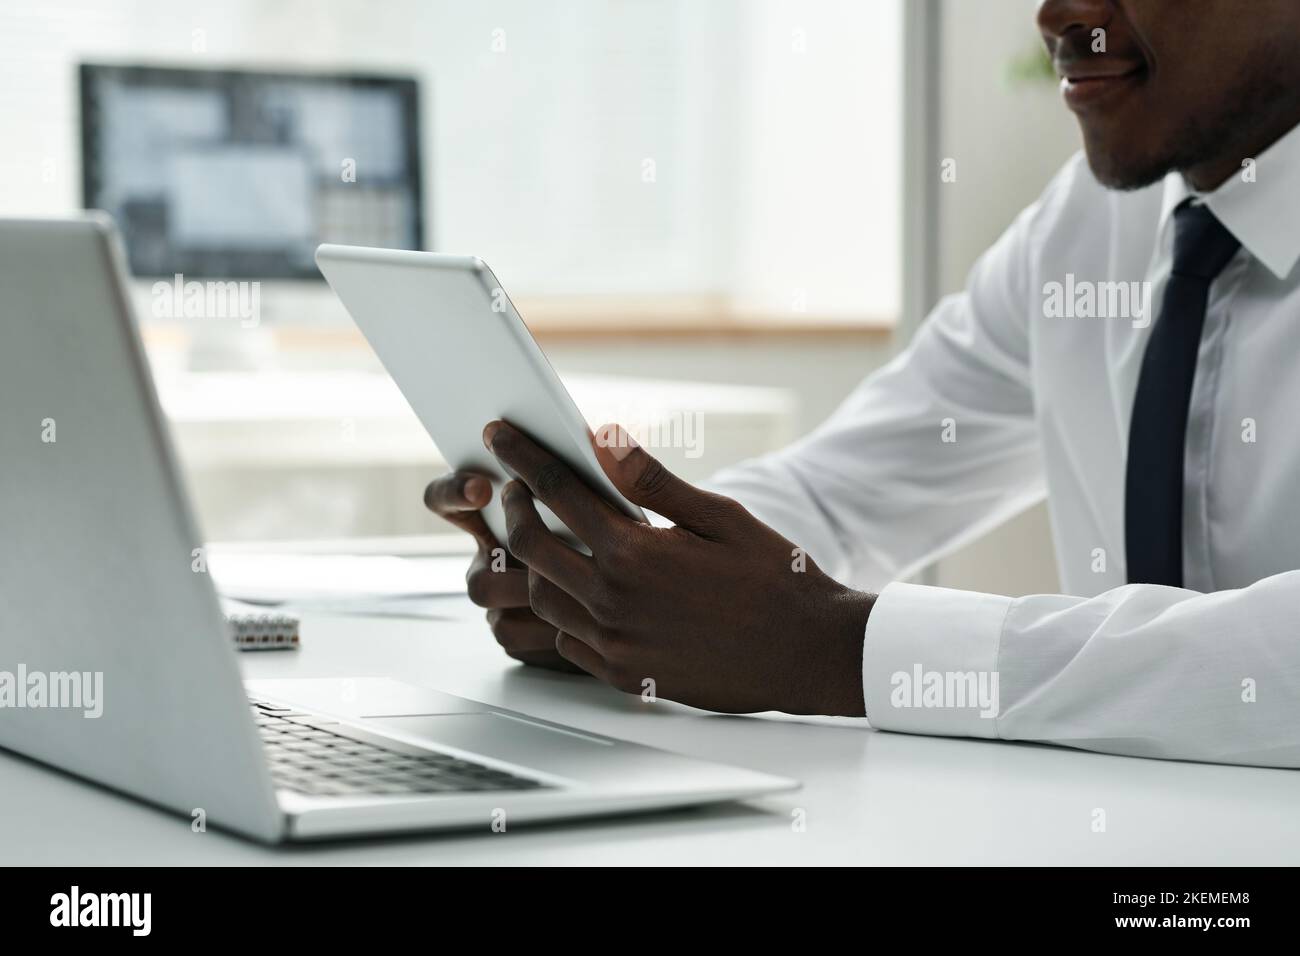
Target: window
{"x": 696, "y": 157}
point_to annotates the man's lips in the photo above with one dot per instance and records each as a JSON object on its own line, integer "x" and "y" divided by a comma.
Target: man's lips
{"x": 1084, "y": 85}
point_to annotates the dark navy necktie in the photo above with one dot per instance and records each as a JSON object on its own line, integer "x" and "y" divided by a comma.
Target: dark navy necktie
{"x": 1153, "y": 487}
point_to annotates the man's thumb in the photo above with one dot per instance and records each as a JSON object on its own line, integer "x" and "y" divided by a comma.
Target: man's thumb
{"x": 641, "y": 479}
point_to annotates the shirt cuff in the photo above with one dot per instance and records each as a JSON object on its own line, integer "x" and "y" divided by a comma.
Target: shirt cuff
{"x": 929, "y": 663}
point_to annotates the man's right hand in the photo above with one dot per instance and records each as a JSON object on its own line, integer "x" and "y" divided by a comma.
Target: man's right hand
{"x": 459, "y": 497}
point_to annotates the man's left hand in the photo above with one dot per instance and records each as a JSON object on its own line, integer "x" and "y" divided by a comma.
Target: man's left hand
{"x": 719, "y": 612}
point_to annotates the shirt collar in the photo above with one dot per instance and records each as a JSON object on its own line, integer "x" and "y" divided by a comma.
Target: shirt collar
{"x": 1262, "y": 213}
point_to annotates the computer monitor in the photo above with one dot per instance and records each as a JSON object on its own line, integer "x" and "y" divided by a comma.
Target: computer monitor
{"x": 228, "y": 173}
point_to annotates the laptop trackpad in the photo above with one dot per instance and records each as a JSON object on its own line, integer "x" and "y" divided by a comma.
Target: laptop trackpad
{"x": 514, "y": 739}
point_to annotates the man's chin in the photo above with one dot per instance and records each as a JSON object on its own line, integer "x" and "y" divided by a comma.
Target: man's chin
{"x": 1115, "y": 170}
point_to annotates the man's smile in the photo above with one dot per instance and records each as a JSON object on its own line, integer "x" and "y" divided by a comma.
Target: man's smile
{"x": 1092, "y": 85}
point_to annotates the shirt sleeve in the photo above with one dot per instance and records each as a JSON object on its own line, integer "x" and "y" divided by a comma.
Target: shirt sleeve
{"x": 941, "y": 445}
{"x": 928, "y": 453}
{"x": 1141, "y": 670}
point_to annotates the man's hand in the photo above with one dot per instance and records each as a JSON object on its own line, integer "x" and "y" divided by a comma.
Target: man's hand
{"x": 720, "y": 612}
{"x": 459, "y": 497}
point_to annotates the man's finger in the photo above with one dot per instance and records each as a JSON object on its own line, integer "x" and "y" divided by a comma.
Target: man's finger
{"x": 457, "y": 498}
{"x": 491, "y": 585}
{"x": 519, "y": 631}
{"x": 528, "y": 640}
{"x": 456, "y": 492}
{"x": 553, "y": 483}
{"x": 550, "y": 603}
{"x": 533, "y": 543}
{"x": 643, "y": 480}
{"x": 472, "y": 523}
{"x": 580, "y": 655}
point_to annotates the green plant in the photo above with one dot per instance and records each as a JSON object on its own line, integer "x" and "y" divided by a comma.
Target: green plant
{"x": 1031, "y": 68}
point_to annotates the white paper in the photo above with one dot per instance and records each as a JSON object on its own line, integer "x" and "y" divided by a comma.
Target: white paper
{"x": 333, "y": 579}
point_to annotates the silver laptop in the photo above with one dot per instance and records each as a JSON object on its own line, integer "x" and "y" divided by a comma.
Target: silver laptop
{"x": 115, "y": 663}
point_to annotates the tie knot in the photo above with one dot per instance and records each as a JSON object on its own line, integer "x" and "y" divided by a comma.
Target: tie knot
{"x": 1203, "y": 246}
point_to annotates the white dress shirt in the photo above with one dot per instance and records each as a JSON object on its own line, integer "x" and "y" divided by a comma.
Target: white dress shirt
{"x": 1004, "y": 396}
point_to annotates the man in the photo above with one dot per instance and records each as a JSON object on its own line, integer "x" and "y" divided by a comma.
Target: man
{"x": 1130, "y": 347}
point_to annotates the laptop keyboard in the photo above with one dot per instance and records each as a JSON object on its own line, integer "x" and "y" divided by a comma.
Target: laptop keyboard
{"x": 317, "y": 756}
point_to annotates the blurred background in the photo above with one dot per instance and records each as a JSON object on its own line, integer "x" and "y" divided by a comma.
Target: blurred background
{"x": 718, "y": 212}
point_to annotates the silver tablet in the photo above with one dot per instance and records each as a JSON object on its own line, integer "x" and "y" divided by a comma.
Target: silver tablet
{"x": 451, "y": 339}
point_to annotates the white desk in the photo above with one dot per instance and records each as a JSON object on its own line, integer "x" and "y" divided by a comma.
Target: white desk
{"x": 869, "y": 797}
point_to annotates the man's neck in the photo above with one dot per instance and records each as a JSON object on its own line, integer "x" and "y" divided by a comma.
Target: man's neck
{"x": 1210, "y": 175}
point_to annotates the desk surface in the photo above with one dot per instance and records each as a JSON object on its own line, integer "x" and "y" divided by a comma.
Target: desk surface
{"x": 868, "y": 797}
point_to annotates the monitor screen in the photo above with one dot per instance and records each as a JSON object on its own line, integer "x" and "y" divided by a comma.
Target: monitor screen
{"x": 223, "y": 173}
